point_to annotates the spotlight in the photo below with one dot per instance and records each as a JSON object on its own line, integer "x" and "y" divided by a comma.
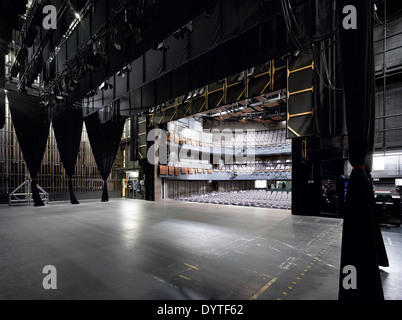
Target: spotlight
{"x": 163, "y": 46}
{"x": 77, "y": 16}
{"x": 122, "y": 73}
{"x": 91, "y": 93}
{"x": 195, "y": 93}
{"x": 189, "y": 26}
{"x": 129, "y": 68}
{"x": 106, "y": 86}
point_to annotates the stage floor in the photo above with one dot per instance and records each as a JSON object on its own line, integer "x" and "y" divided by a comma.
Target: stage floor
{"x": 128, "y": 249}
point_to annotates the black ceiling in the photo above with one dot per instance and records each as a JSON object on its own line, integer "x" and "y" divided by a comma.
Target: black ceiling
{"x": 9, "y": 20}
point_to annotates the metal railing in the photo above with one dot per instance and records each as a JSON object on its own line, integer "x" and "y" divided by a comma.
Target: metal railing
{"x": 23, "y": 194}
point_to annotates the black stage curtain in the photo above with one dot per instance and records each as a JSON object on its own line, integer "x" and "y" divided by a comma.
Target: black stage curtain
{"x": 134, "y": 138}
{"x": 67, "y": 128}
{"x": 2, "y": 94}
{"x": 32, "y": 129}
{"x": 234, "y": 36}
{"x": 362, "y": 243}
{"x": 105, "y": 141}
{"x": 2, "y": 108}
{"x": 329, "y": 102}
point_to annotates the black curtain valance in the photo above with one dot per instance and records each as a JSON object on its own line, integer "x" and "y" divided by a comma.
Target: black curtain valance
{"x": 105, "y": 141}
{"x": 236, "y": 35}
{"x": 68, "y": 130}
{"x": 32, "y": 128}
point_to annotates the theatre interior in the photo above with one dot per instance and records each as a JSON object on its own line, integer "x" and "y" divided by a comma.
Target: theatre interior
{"x": 201, "y": 150}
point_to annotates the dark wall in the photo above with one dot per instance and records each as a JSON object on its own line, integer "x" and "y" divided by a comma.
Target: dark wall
{"x": 178, "y": 189}
{"x": 391, "y": 120}
{"x": 388, "y": 114}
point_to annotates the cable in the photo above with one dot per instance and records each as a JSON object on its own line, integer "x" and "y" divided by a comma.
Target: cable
{"x": 320, "y": 39}
{"x": 286, "y": 6}
{"x": 328, "y": 85}
{"x": 294, "y": 37}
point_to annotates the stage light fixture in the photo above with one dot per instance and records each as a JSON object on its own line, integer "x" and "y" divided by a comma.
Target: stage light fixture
{"x": 77, "y": 16}
{"x": 163, "y": 46}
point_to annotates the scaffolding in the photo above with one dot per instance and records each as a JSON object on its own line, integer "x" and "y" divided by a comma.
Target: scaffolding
{"x": 23, "y": 194}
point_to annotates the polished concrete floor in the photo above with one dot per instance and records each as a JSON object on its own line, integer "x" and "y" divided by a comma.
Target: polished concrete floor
{"x": 128, "y": 249}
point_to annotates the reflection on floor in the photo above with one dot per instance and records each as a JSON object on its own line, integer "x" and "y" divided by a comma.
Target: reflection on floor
{"x": 128, "y": 249}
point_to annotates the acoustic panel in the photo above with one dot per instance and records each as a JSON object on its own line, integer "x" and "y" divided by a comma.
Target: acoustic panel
{"x": 300, "y": 96}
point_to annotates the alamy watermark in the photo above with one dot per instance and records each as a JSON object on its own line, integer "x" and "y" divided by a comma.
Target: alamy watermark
{"x": 50, "y": 20}
{"x": 50, "y": 280}
{"x": 234, "y": 147}
{"x": 349, "y": 282}
{"x": 350, "y": 21}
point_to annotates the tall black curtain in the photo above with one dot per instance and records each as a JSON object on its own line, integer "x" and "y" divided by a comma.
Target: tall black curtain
{"x": 32, "y": 128}
{"x": 134, "y": 138}
{"x": 67, "y": 128}
{"x": 362, "y": 243}
{"x": 105, "y": 141}
{"x": 2, "y": 94}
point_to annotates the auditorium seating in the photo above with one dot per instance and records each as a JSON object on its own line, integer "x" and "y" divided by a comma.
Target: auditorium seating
{"x": 259, "y": 166}
{"x": 249, "y": 198}
{"x": 259, "y": 138}
{"x": 246, "y": 138}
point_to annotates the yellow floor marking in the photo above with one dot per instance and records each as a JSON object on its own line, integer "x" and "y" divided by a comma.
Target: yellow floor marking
{"x": 184, "y": 277}
{"x": 263, "y": 289}
{"x": 192, "y": 267}
{"x": 239, "y": 252}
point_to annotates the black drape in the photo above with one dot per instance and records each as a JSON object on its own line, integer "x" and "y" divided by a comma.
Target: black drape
{"x": 2, "y": 94}
{"x": 67, "y": 128}
{"x": 199, "y": 57}
{"x": 2, "y": 108}
{"x": 329, "y": 102}
{"x": 105, "y": 141}
{"x": 362, "y": 243}
{"x": 32, "y": 128}
{"x": 134, "y": 138}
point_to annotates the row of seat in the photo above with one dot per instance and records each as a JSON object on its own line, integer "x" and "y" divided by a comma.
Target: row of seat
{"x": 259, "y": 166}
{"x": 260, "y": 138}
{"x": 175, "y": 171}
{"x": 249, "y": 198}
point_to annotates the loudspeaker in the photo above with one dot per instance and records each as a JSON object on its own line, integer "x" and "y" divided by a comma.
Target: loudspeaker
{"x": 300, "y": 96}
